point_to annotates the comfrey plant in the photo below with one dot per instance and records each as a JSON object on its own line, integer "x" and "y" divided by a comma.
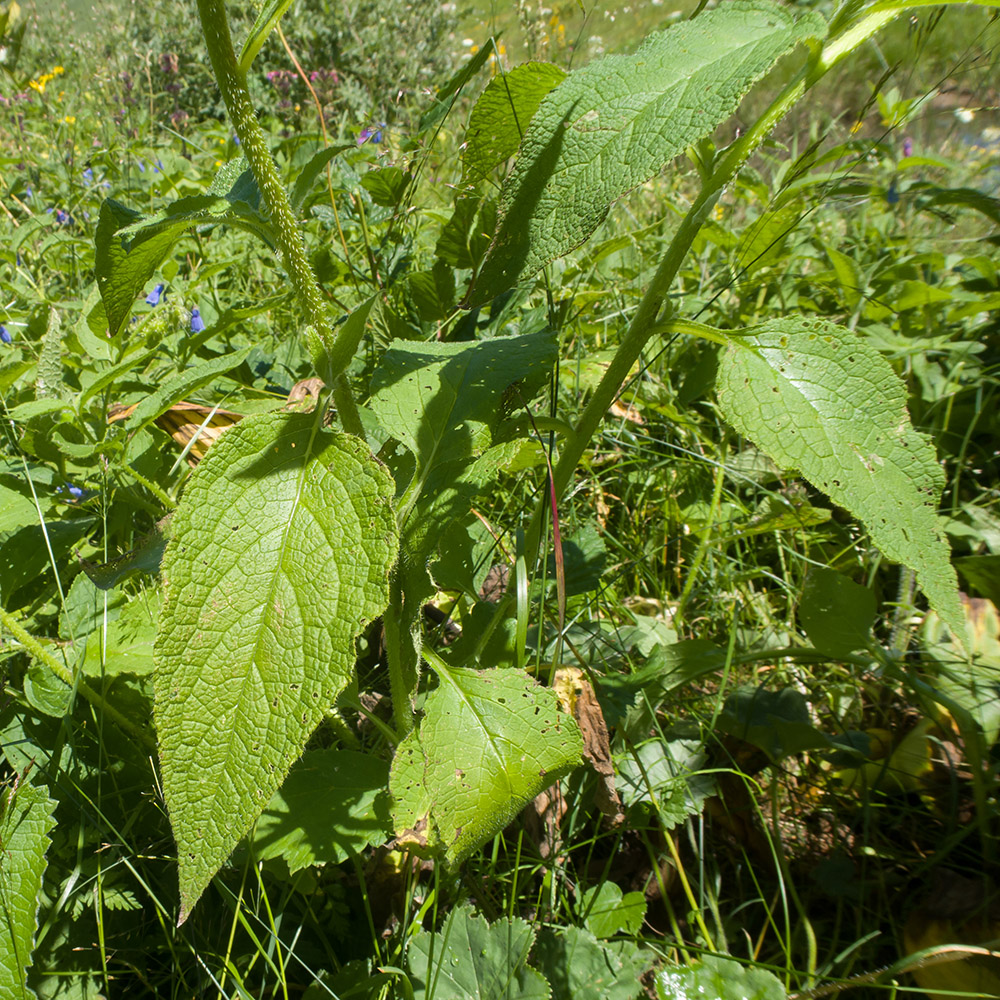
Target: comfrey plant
{"x": 293, "y": 536}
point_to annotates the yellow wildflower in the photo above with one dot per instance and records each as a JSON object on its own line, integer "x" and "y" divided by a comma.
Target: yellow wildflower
{"x": 70, "y": 119}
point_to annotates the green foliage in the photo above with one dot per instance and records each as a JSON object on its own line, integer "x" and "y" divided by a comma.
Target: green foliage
{"x": 26, "y": 820}
{"x": 497, "y": 589}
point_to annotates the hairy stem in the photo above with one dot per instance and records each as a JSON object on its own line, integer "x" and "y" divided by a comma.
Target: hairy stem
{"x": 324, "y": 346}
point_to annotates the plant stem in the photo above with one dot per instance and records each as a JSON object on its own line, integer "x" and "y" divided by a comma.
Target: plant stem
{"x": 35, "y": 649}
{"x": 232, "y": 82}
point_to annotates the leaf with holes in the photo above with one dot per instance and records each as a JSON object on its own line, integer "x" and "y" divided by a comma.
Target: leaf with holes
{"x": 488, "y": 743}
{"x": 280, "y": 554}
{"x": 820, "y": 399}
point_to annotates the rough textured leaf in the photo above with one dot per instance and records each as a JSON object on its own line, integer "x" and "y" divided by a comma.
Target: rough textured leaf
{"x": 488, "y": 743}
{"x": 836, "y": 613}
{"x": 579, "y": 967}
{"x": 26, "y": 817}
{"x": 613, "y": 124}
{"x": 720, "y": 979}
{"x": 280, "y": 554}
{"x": 501, "y": 115}
{"x": 819, "y": 399}
{"x": 470, "y": 959}
{"x": 332, "y": 805}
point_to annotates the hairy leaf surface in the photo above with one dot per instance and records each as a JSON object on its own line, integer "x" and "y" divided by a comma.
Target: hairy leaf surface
{"x": 613, "y": 124}
{"x": 819, "y": 399}
{"x": 280, "y": 554}
{"x": 488, "y": 743}
{"x": 26, "y": 818}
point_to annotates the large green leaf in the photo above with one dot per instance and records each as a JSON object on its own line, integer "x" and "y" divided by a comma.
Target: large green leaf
{"x": 502, "y": 113}
{"x": 442, "y": 399}
{"x": 613, "y": 124}
{"x": 488, "y": 743}
{"x": 718, "y": 978}
{"x": 280, "y": 554}
{"x": 470, "y": 959}
{"x": 819, "y": 399}
{"x": 26, "y": 817}
{"x": 270, "y": 14}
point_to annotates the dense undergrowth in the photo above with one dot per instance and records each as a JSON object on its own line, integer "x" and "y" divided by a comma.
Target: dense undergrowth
{"x": 791, "y": 779}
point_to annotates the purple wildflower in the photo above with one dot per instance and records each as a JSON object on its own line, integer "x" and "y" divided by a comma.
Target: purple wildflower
{"x": 63, "y": 218}
{"x": 197, "y": 323}
{"x": 5, "y": 334}
{"x": 154, "y": 296}
{"x": 88, "y": 175}
{"x": 907, "y": 146}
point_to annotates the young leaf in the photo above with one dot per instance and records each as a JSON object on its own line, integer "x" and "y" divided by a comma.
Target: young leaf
{"x": 488, "y": 743}
{"x": 819, "y": 399}
{"x": 835, "y": 612}
{"x": 613, "y": 124}
{"x": 26, "y": 817}
{"x": 501, "y": 115}
{"x": 270, "y": 14}
{"x": 469, "y": 957}
{"x": 280, "y": 555}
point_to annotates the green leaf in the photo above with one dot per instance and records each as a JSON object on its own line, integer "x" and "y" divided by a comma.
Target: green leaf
{"x": 312, "y": 169}
{"x": 720, "y": 979}
{"x": 279, "y": 556}
{"x": 470, "y": 959}
{"x": 130, "y": 247}
{"x": 270, "y": 14}
{"x": 502, "y": 113}
{"x": 488, "y": 743}
{"x": 332, "y": 805}
{"x": 665, "y": 775}
{"x": 127, "y": 644}
{"x": 26, "y": 818}
{"x": 442, "y": 399}
{"x": 579, "y": 967}
{"x": 836, "y": 613}
{"x": 183, "y": 384}
{"x": 606, "y": 911}
{"x": 613, "y": 124}
{"x": 448, "y": 92}
{"x": 776, "y": 721}
{"x": 819, "y": 399}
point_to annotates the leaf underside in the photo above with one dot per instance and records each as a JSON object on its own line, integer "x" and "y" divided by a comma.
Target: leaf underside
{"x": 819, "y": 399}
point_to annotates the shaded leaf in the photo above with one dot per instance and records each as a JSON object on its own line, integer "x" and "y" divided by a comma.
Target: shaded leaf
{"x": 718, "y": 978}
{"x": 579, "y": 967}
{"x": 836, "y": 613}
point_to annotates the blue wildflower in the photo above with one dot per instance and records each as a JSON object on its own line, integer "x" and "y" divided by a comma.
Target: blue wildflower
{"x": 141, "y": 165}
{"x": 28, "y": 193}
{"x": 5, "y": 334}
{"x": 236, "y": 139}
{"x": 197, "y": 323}
{"x": 372, "y": 132}
{"x": 88, "y": 175}
{"x": 63, "y": 218}
{"x": 892, "y": 195}
{"x": 154, "y": 296}
{"x": 76, "y": 492}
